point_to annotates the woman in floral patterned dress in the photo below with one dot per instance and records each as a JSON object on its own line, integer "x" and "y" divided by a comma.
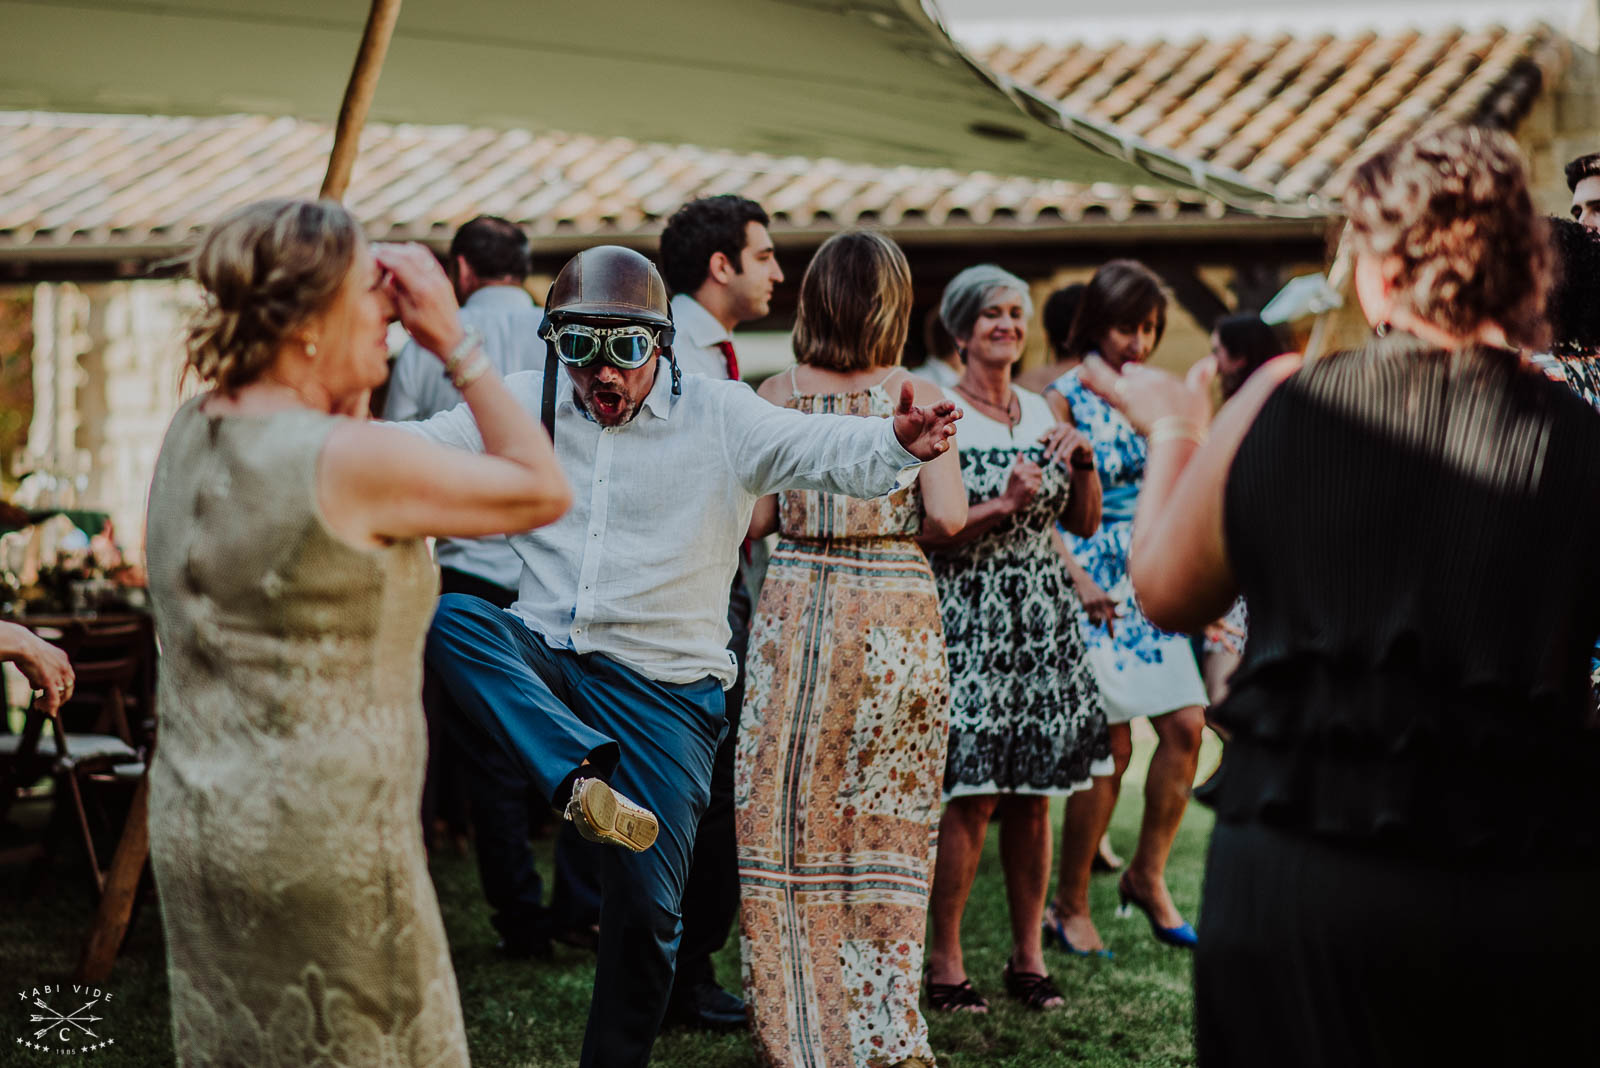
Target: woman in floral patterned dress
{"x": 1026, "y": 722}
{"x": 842, "y": 736}
{"x": 1142, "y": 670}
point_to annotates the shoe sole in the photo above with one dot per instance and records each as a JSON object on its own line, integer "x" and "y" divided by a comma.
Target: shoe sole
{"x": 604, "y": 819}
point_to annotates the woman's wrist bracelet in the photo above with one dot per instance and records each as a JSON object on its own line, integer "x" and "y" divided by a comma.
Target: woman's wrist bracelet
{"x": 471, "y": 340}
{"x": 1175, "y": 428}
{"x": 471, "y": 372}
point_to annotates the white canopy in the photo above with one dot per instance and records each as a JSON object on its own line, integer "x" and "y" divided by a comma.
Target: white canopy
{"x": 877, "y": 81}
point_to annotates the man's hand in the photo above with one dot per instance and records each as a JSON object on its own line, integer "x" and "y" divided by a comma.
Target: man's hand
{"x": 924, "y": 432}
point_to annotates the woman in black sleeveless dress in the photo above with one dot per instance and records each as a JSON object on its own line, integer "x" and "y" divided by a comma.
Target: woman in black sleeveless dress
{"x": 1403, "y": 869}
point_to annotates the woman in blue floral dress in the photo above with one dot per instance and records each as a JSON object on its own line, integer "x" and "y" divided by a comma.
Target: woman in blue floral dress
{"x": 1141, "y": 670}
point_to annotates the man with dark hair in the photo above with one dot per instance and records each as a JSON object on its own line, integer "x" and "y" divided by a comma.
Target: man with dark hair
{"x": 489, "y": 262}
{"x": 718, "y": 261}
{"x": 614, "y": 654}
{"x": 1583, "y": 179}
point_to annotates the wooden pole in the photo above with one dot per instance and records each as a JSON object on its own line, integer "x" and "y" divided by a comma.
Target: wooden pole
{"x": 358, "y": 96}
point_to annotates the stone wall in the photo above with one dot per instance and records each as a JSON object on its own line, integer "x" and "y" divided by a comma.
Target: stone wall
{"x": 107, "y": 369}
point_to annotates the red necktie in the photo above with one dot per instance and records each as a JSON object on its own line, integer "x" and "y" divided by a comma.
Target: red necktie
{"x": 733, "y": 361}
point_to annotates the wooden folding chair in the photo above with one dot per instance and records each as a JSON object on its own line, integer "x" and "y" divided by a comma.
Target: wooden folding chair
{"x": 70, "y": 759}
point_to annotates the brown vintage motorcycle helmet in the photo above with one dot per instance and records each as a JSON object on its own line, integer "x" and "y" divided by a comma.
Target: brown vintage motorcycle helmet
{"x": 617, "y": 284}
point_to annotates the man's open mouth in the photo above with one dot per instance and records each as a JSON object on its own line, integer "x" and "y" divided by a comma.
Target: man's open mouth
{"x": 608, "y": 402}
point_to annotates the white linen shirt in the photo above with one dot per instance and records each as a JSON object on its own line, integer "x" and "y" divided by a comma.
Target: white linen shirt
{"x": 638, "y": 569}
{"x": 696, "y": 334}
{"x": 418, "y": 388}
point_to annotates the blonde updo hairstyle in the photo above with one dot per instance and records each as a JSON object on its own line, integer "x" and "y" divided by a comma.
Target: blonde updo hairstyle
{"x": 266, "y": 268}
{"x": 1452, "y": 205}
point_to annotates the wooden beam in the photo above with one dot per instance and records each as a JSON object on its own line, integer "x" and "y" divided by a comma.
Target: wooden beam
{"x": 358, "y": 96}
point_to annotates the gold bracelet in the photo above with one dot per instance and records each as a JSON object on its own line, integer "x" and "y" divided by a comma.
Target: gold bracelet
{"x": 474, "y": 370}
{"x": 1175, "y": 428}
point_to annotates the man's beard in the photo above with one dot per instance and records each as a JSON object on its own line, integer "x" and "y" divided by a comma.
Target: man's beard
{"x": 612, "y": 416}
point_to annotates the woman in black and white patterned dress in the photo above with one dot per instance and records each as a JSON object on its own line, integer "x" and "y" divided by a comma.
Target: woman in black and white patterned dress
{"x": 1026, "y": 720}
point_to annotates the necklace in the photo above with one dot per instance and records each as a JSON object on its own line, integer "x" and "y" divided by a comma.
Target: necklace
{"x": 1011, "y": 420}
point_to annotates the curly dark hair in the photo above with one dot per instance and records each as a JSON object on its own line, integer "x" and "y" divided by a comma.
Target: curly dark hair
{"x": 700, "y": 228}
{"x": 493, "y": 247}
{"x": 1572, "y": 310}
{"x": 1452, "y": 206}
{"x": 1581, "y": 168}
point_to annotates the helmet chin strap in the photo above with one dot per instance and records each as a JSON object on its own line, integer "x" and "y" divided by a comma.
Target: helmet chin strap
{"x": 677, "y": 378}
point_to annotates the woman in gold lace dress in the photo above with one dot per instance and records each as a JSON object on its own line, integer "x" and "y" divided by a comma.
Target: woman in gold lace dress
{"x": 842, "y": 738}
{"x": 292, "y": 590}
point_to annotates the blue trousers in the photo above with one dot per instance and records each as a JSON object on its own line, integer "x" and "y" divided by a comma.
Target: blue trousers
{"x": 546, "y": 711}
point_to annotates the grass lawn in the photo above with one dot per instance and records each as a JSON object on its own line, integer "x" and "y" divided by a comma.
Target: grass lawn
{"x": 1134, "y": 1010}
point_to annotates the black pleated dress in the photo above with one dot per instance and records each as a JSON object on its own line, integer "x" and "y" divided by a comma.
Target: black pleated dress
{"x": 1406, "y": 864}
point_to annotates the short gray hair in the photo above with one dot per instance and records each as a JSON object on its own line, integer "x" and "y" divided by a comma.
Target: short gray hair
{"x": 969, "y": 292}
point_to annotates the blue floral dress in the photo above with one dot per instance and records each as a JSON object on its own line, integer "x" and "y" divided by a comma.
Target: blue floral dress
{"x": 1142, "y": 670}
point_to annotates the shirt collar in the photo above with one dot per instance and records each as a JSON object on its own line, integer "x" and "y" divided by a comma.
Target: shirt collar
{"x": 694, "y": 324}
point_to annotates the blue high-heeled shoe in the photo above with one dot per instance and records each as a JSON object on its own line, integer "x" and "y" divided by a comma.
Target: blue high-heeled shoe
{"x": 1182, "y": 936}
{"x": 1055, "y": 932}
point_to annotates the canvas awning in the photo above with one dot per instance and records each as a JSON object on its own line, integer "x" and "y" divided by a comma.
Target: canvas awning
{"x": 876, "y": 81}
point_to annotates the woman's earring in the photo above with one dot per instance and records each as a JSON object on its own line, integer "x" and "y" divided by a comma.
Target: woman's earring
{"x": 311, "y": 348}
{"x": 1382, "y": 329}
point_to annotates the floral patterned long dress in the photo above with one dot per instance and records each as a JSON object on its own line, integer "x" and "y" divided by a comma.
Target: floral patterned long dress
{"x": 841, "y": 753}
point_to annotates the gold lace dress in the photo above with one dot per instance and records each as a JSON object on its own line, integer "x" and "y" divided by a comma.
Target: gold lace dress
{"x": 301, "y": 923}
{"x": 838, "y": 777}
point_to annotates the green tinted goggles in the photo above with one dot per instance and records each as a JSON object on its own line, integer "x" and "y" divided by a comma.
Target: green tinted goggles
{"x": 626, "y": 347}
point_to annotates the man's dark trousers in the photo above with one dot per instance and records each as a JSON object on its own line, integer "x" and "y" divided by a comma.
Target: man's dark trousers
{"x": 711, "y": 902}
{"x": 711, "y": 899}
{"x": 547, "y": 711}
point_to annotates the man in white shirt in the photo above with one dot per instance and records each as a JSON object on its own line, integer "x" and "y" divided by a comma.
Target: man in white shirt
{"x": 489, "y": 261}
{"x": 614, "y": 653}
{"x": 718, "y": 261}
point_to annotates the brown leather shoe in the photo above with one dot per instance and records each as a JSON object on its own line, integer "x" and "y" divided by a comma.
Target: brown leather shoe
{"x": 601, "y": 814}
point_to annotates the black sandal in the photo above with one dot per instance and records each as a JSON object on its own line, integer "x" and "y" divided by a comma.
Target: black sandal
{"x": 1035, "y": 991}
{"x": 955, "y": 997}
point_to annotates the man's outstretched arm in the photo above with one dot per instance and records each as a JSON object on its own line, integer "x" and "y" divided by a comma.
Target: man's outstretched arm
{"x": 772, "y": 448}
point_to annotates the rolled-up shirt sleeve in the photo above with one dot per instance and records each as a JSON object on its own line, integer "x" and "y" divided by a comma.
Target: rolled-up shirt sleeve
{"x": 454, "y": 427}
{"x": 458, "y": 427}
{"x": 772, "y": 448}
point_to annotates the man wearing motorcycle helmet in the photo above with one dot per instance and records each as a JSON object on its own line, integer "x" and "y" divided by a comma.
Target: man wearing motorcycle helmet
{"x": 615, "y": 651}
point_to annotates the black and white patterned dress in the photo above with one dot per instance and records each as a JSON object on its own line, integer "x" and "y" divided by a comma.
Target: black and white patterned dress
{"x": 1026, "y": 715}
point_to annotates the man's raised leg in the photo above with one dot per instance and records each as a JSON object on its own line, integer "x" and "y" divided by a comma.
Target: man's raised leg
{"x": 508, "y": 719}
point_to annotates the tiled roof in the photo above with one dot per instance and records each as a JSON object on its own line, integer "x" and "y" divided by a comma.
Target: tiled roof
{"x": 1291, "y": 111}
{"x": 1286, "y": 110}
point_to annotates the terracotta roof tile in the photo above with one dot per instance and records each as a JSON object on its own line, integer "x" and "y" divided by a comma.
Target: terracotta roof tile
{"x": 1291, "y": 110}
